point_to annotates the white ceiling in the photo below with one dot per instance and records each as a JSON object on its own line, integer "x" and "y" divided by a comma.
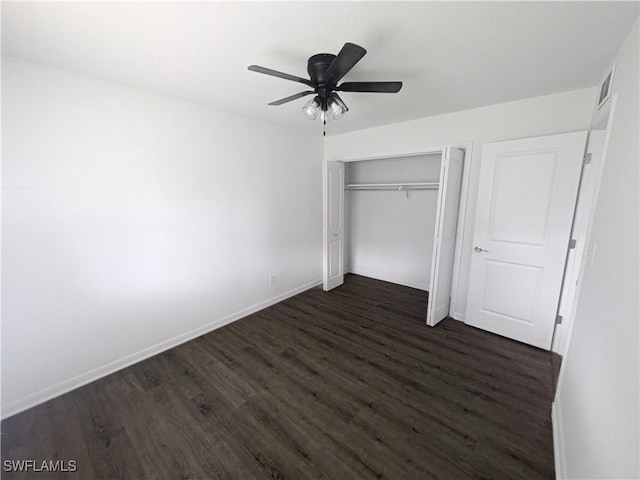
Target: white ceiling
{"x": 450, "y": 55}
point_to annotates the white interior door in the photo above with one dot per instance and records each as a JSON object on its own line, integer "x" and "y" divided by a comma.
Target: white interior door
{"x": 333, "y": 244}
{"x": 526, "y": 199}
{"x": 444, "y": 241}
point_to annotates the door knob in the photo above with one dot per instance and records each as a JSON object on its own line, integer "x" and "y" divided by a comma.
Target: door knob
{"x": 478, "y": 249}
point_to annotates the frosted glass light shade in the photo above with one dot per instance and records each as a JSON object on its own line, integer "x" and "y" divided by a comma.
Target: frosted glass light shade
{"x": 336, "y": 107}
{"x": 311, "y": 109}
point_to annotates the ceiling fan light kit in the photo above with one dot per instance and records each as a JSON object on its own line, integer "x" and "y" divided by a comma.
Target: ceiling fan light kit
{"x": 333, "y": 109}
{"x": 325, "y": 71}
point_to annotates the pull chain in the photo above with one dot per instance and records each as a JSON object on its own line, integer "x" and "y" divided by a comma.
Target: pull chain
{"x": 324, "y": 126}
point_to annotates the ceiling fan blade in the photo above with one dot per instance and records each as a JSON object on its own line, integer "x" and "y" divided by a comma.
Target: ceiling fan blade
{"x": 292, "y": 97}
{"x": 374, "y": 87}
{"x": 346, "y": 59}
{"x": 275, "y": 73}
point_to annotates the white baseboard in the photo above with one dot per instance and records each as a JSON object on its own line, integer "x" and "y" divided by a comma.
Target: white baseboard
{"x": 558, "y": 441}
{"x": 458, "y": 316}
{"x": 94, "y": 374}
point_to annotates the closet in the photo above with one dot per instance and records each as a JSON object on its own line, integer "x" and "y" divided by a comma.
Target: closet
{"x": 395, "y": 219}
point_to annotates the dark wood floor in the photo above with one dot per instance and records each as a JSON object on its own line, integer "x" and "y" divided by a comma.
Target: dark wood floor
{"x": 349, "y": 384}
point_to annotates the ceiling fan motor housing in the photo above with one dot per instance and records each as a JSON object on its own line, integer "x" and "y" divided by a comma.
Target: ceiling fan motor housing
{"x": 317, "y": 66}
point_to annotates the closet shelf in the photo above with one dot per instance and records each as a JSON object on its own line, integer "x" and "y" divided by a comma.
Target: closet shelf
{"x": 402, "y": 187}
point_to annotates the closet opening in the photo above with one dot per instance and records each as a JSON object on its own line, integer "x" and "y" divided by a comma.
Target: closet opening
{"x": 395, "y": 219}
{"x": 390, "y": 214}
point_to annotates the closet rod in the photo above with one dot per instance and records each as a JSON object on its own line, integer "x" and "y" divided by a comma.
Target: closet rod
{"x": 393, "y": 186}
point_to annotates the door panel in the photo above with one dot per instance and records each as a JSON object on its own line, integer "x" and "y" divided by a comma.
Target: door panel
{"x": 445, "y": 235}
{"x": 521, "y": 302}
{"x": 334, "y": 259}
{"x": 522, "y": 180}
{"x": 333, "y": 245}
{"x": 526, "y": 199}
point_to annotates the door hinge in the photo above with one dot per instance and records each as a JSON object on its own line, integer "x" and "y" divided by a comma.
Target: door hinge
{"x": 572, "y": 243}
{"x": 558, "y": 319}
{"x": 586, "y": 160}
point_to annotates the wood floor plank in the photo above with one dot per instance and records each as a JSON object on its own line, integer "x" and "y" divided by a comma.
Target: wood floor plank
{"x": 57, "y": 427}
{"x": 109, "y": 447}
{"x": 153, "y": 448}
{"x": 343, "y": 384}
{"x": 233, "y": 388}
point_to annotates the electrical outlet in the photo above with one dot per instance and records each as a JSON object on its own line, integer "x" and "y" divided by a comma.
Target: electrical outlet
{"x": 272, "y": 280}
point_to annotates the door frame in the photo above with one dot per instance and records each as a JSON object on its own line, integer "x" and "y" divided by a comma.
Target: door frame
{"x": 583, "y": 221}
{"x": 603, "y": 120}
{"x": 573, "y": 261}
{"x": 467, "y": 147}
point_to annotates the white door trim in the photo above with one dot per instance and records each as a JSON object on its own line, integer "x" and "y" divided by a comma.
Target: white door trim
{"x": 603, "y": 121}
{"x": 564, "y": 332}
{"x": 575, "y": 255}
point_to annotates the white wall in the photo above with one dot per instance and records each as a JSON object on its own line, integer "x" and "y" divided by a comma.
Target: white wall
{"x": 565, "y": 112}
{"x": 131, "y": 222}
{"x": 387, "y": 235}
{"x": 597, "y": 405}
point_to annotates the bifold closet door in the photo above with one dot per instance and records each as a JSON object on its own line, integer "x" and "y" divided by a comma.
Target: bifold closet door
{"x": 333, "y": 241}
{"x": 444, "y": 241}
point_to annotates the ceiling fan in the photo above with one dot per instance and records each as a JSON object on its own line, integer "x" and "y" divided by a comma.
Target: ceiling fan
{"x": 325, "y": 71}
